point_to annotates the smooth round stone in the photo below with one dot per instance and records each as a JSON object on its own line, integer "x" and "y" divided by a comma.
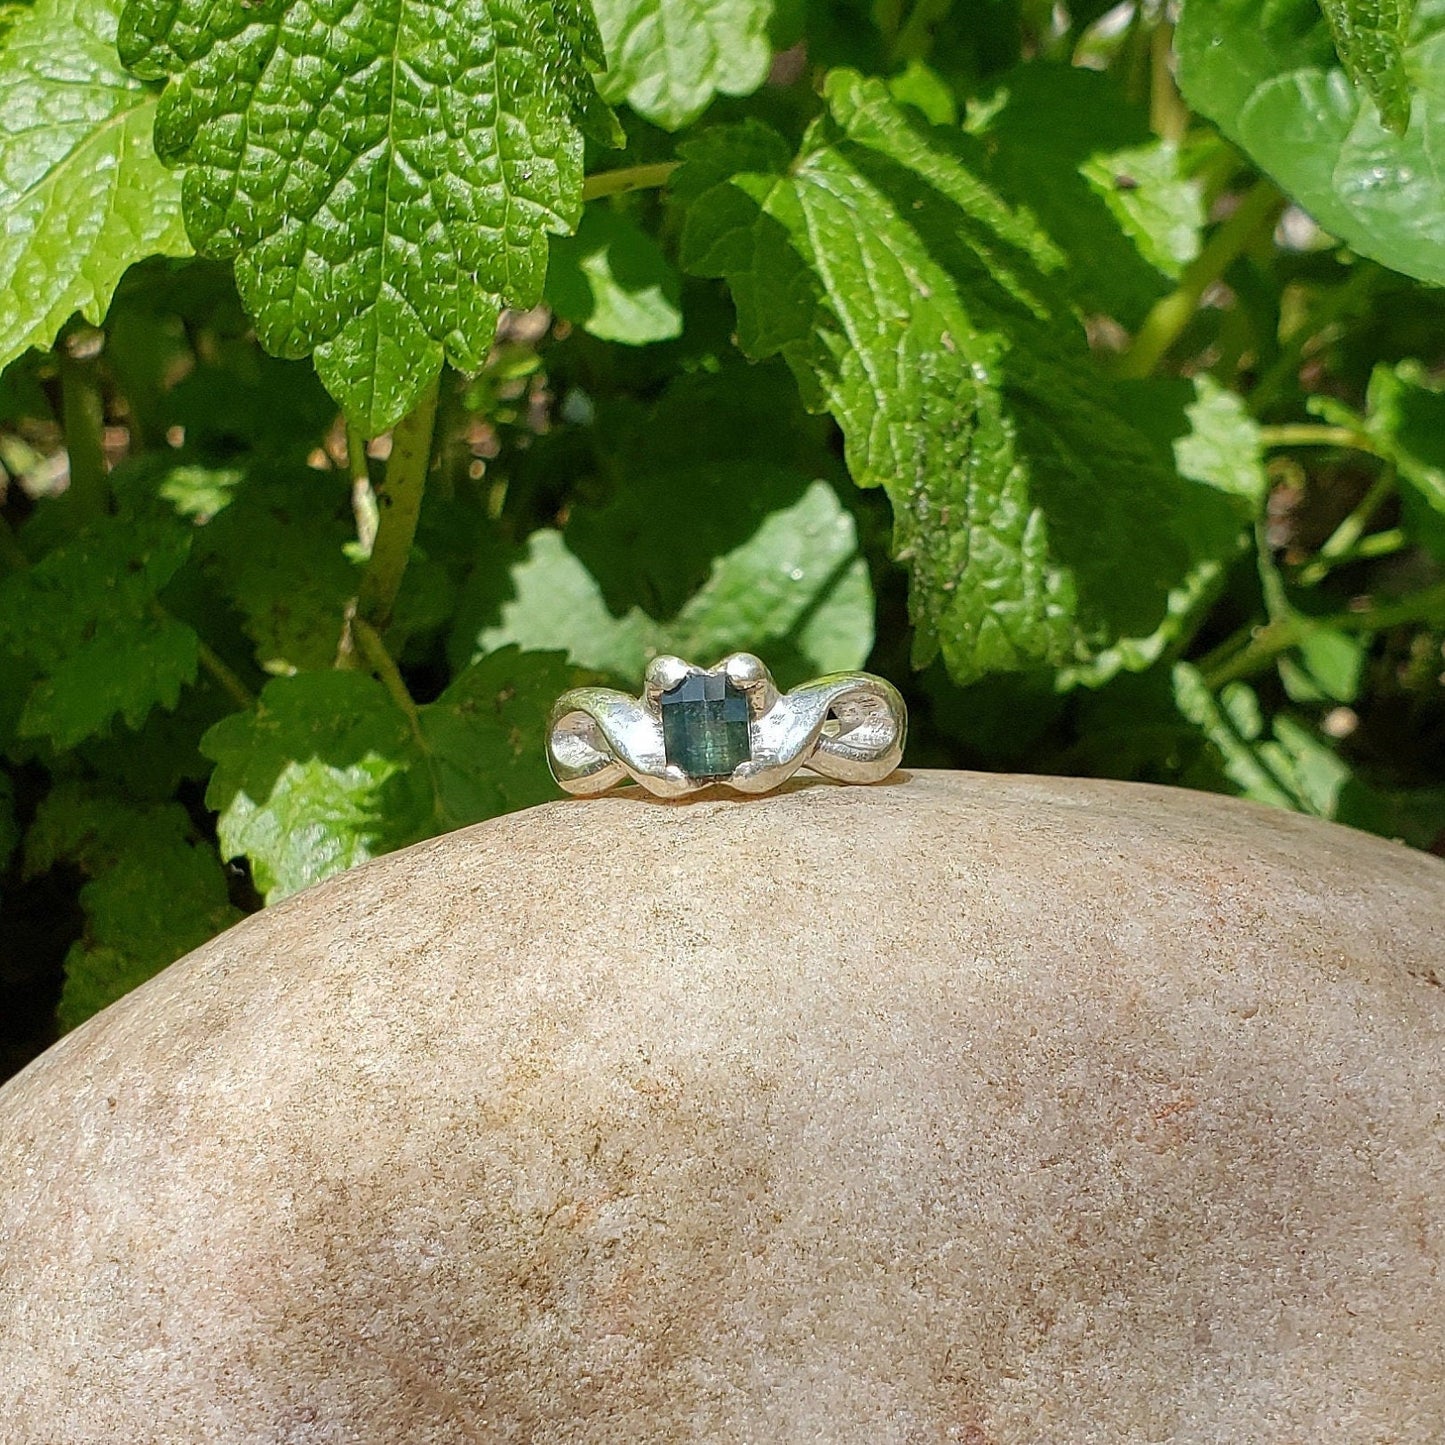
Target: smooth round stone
{"x": 960, "y": 1108}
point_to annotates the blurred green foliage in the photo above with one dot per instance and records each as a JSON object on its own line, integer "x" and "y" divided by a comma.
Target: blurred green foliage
{"x": 1083, "y": 376}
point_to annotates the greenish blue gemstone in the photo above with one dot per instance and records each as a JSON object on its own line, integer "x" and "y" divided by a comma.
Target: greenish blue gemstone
{"x": 705, "y": 726}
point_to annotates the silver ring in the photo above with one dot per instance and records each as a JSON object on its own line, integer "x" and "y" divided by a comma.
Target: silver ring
{"x": 693, "y": 727}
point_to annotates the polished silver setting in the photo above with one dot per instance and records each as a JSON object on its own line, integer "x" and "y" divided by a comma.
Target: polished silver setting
{"x": 849, "y": 726}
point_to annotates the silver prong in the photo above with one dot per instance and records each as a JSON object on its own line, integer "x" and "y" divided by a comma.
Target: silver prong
{"x": 663, "y": 674}
{"x": 751, "y": 677}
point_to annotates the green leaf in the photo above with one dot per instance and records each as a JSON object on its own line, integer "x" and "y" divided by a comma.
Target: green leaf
{"x": 668, "y": 58}
{"x": 328, "y": 771}
{"x": 313, "y": 780}
{"x": 1326, "y": 667}
{"x": 1067, "y": 143}
{"x": 1041, "y": 520}
{"x": 720, "y": 532}
{"x": 277, "y": 552}
{"x": 198, "y": 493}
{"x": 613, "y": 281}
{"x": 81, "y": 191}
{"x": 484, "y": 737}
{"x": 156, "y": 891}
{"x": 1264, "y": 770}
{"x": 828, "y": 268}
{"x": 926, "y": 91}
{"x": 9, "y": 14}
{"x": 384, "y": 175}
{"x": 1370, "y": 37}
{"x": 242, "y": 403}
{"x": 267, "y": 544}
{"x": 1266, "y": 76}
{"x": 1407, "y": 419}
{"x": 85, "y": 623}
{"x": 1287, "y": 765}
{"x": 1152, "y": 200}
{"x": 1219, "y": 460}
{"x": 150, "y": 763}
{"x": 1404, "y": 418}
{"x": 796, "y": 592}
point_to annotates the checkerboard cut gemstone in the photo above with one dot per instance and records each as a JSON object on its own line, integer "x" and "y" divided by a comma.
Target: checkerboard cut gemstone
{"x": 705, "y": 726}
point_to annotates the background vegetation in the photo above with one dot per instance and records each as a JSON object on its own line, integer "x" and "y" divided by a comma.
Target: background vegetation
{"x": 1076, "y": 367}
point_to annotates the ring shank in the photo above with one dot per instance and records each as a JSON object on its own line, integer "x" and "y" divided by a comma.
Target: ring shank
{"x": 862, "y": 736}
{"x": 578, "y": 753}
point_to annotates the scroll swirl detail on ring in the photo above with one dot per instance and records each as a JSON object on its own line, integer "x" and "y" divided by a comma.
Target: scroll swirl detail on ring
{"x": 849, "y": 726}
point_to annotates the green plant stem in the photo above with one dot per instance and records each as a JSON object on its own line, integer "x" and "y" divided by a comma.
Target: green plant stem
{"x": 1283, "y": 370}
{"x": 83, "y": 416}
{"x": 369, "y": 643}
{"x": 1168, "y": 115}
{"x": 399, "y": 505}
{"x": 887, "y": 17}
{"x": 628, "y": 178}
{"x": 914, "y": 38}
{"x": 1344, "y": 540}
{"x": 1275, "y": 638}
{"x": 1427, "y": 605}
{"x": 1271, "y": 583}
{"x": 1137, "y": 54}
{"x": 371, "y": 647}
{"x": 1315, "y": 434}
{"x": 212, "y": 662}
{"x": 227, "y": 680}
{"x": 1255, "y": 215}
{"x": 1266, "y": 644}
{"x": 1216, "y": 171}
{"x": 1377, "y": 544}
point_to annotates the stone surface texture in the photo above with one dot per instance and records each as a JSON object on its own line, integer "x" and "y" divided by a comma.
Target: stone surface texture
{"x": 959, "y": 1108}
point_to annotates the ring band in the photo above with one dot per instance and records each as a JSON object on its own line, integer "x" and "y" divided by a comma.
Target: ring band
{"x": 693, "y": 727}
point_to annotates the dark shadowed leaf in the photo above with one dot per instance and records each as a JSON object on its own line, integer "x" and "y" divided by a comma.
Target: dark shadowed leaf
{"x": 155, "y": 891}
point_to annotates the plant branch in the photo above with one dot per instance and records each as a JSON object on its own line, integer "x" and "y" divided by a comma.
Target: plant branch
{"x": 628, "y": 178}
{"x": 373, "y": 649}
{"x": 1377, "y": 544}
{"x": 211, "y": 661}
{"x": 1168, "y": 115}
{"x": 1255, "y": 215}
{"x": 914, "y": 37}
{"x": 1315, "y": 434}
{"x": 1136, "y": 54}
{"x": 1264, "y": 646}
{"x": 370, "y": 645}
{"x": 1344, "y": 540}
{"x": 1275, "y": 638}
{"x": 1271, "y": 583}
{"x": 1427, "y": 605}
{"x": 228, "y": 681}
{"x": 399, "y": 506}
{"x": 83, "y": 416}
